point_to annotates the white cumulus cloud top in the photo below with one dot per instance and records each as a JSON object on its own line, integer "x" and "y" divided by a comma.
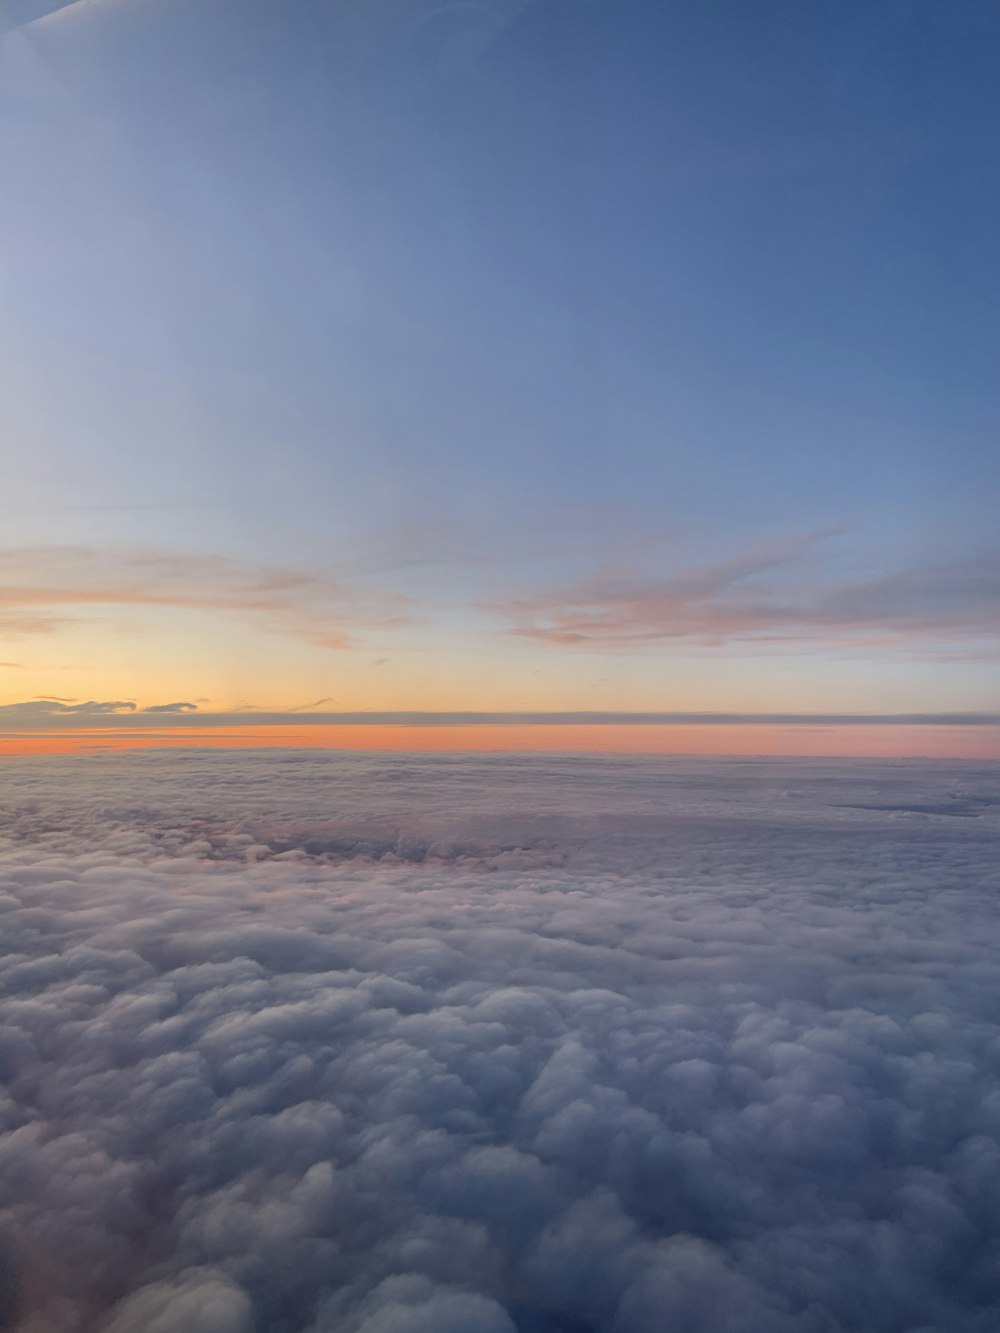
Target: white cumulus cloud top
{"x": 299, "y": 1043}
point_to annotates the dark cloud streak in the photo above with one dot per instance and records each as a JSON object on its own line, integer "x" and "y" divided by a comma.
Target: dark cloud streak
{"x": 114, "y": 714}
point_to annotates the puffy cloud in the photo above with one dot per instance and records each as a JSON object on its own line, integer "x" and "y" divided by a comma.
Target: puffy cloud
{"x": 195, "y": 1302}
{"x": 543, "y": 1046}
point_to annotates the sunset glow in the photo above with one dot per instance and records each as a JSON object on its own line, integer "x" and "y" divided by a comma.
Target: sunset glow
{"x": 886, "y": 741}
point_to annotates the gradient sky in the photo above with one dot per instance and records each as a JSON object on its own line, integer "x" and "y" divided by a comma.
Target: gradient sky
{"x": 508, "y": 355}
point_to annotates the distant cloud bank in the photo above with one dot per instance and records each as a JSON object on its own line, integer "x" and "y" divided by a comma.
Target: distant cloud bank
{"x": 126, "y": 713}
{"x": 510, "y": 1046}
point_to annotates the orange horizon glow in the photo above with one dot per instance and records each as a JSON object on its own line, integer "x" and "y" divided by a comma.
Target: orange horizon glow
{"x": 886, "y": 741}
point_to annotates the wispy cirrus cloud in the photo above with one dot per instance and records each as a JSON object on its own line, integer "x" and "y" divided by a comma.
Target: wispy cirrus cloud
{"x": 22, "y": 13}
{"x": 759, "y": 598}
{"x": 16, "y": 626}
{"x": 41, "y": 588}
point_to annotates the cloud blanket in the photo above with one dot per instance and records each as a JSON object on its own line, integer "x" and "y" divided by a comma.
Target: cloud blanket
{"x": 313, "y": 1043}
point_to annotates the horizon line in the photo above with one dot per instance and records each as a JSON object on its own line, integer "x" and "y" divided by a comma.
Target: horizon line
{"x": 19, "y": 719}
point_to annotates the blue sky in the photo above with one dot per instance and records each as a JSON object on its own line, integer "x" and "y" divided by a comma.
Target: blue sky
{"x": 472, "y": 308}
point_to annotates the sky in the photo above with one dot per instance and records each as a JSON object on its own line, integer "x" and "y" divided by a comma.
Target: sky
{"x": 507, "y": 357}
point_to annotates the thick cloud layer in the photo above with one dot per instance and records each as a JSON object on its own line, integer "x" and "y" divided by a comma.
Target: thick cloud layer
{"x": 384, "y": 1045}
